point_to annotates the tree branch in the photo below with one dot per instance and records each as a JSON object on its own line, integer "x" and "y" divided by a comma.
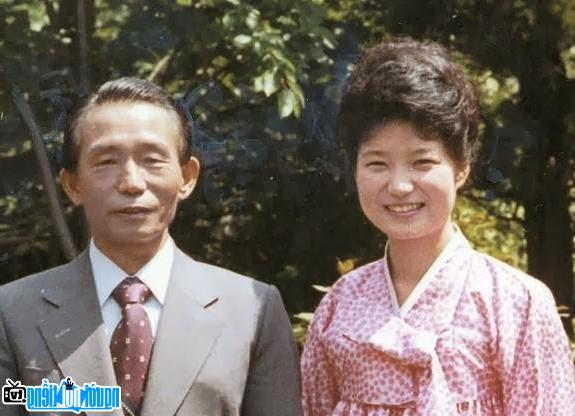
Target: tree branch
{"x": 51, "y": 13}
{"x": 54, "y": 202}
{"x": 9, "y": 241}
{"x": 161, "y": 65}
{"x": 83, "y": 42}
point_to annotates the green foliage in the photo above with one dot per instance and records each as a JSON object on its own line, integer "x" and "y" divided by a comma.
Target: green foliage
{"x": 493, "y": 227}
{"x": 303, "y": 320}
{"x": 255, "y": 50}
{"x": 262, "y": 80}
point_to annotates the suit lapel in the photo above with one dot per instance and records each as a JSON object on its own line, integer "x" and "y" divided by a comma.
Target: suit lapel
{"x": 74, "y": 332}
{"x": 186, "y": 334}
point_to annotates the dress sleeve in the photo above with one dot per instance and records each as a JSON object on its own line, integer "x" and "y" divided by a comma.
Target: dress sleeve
{"x": 539, "y": 378}
{"x": 320, "y": 392}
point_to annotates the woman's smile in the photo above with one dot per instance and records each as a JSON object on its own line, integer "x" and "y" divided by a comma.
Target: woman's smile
{"x": 411, "y": 177}
{"x": 404, "y": 208}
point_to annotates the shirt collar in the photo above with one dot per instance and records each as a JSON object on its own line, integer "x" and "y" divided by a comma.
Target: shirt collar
{"x": 155, "y": 273}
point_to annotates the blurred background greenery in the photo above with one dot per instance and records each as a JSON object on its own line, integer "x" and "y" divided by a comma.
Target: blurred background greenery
{"x": 261, "y": 81}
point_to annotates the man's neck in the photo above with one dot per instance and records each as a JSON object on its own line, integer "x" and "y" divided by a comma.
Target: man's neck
{"x": 130, "y": 258}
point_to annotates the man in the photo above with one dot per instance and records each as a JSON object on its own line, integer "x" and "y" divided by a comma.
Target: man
{"x": 179, "y": 336}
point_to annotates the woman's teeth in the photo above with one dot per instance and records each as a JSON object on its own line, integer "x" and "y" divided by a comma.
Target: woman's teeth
{"x": 403, "y": 207}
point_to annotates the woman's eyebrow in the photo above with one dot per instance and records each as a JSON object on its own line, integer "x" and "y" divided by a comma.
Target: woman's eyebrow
{"x": 417, "y": 152}
{"x": 422, "y": 151}
{"x": 374, "y": 152}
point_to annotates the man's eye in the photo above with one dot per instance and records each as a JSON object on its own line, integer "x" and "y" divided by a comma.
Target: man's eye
{"x": 105, "y": 162}
{"x": 152, "y": 160}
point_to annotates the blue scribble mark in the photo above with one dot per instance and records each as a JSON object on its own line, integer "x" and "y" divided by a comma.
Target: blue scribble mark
{"x": 232, "y": 163}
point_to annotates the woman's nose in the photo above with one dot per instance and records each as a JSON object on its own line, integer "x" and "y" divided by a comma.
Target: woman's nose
{"x": 400, "y": 184}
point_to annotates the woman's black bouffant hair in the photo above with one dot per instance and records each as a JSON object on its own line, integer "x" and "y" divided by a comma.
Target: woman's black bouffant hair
{"x": 417, "y": 82}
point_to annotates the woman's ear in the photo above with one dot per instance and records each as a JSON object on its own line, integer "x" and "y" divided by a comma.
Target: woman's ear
{"x": 190, "y": 174}
{"x": 461, "y": 176}
{"x": 69, "y": 182}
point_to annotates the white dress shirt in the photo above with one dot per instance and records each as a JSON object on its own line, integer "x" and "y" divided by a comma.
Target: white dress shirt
{"x": 155, "y": 274}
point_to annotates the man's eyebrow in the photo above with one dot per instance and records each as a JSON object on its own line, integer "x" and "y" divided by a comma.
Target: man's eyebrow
{"x": 110, "y": 148}
{"x": 159, "y": 147}
{"x": 101, "y": 148}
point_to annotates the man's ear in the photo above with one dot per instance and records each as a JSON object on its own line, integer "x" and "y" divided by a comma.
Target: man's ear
{"x": 190, "y": 174}
{"x": 69, "y": 182}
{"x": 461, "y": 176}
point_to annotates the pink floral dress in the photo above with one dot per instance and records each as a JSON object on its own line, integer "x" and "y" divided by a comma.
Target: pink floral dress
{"x": 475, "y": 337}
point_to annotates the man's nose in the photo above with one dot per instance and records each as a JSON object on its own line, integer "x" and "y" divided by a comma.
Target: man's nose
{"x": 400, "y": 184}
{"x": 131, "y": 180}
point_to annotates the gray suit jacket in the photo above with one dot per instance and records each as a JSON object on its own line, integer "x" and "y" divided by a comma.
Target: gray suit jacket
{"x": 223, "y": 347}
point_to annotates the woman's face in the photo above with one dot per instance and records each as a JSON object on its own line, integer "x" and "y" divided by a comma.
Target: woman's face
{"x": 406, "y": 185}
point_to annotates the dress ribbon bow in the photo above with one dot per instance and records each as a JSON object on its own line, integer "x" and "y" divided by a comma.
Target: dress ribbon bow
{"x": 416, "y": 348}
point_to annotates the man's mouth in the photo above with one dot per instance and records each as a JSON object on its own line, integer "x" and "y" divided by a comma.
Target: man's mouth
{"x": 133, "y": 210}
{"x": 404, "y": 208}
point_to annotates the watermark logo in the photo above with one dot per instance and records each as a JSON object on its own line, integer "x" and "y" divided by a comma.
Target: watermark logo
{"x": 63, "y": 397}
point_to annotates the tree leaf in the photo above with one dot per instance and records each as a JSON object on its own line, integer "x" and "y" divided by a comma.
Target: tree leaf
{"x": 304, "y": 316}
{"x": 322, "y": 289}
{"x": 252, "y": 19}
{"x": 241, "y": 41}
{"x": 286, "y": 103}
{"x": 268, "y": 82}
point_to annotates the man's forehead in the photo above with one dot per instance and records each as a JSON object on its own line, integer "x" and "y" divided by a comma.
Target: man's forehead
{"x": 128, "y": 123}
{"x": 121, "y": 108}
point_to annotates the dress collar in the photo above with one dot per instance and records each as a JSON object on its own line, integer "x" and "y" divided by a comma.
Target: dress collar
{"x": 456, "y": 240}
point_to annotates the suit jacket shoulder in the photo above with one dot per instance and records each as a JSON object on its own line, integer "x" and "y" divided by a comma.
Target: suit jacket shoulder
{"x": 24, "y": 298}
{"x": 246, "y": 362}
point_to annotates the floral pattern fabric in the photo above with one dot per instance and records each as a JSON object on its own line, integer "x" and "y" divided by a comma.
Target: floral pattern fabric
{"x": 475, "y": 337}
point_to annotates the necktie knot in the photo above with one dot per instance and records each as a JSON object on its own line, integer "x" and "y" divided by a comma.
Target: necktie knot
{"x": 131, "y": 290}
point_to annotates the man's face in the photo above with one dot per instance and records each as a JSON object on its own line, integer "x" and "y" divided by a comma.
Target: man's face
{"x": 129, "y": 178}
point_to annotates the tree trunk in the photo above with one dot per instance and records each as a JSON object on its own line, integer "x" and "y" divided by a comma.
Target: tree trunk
{"x": 83, "y": 32}
{"x": 549, "y": 235}
{"x": 546, "y": 98}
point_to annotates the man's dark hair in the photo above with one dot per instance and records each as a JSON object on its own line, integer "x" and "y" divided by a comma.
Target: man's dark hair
{"x": 128, "y": 89}
{"x": 417, "y": 82}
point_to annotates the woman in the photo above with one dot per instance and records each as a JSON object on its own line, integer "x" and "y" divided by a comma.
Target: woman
{"x": 433, "y": 328}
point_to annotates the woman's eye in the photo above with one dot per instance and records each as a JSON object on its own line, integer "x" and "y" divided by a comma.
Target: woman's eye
{"x": 376, "y": 163}
{"x": 425, "y": 162}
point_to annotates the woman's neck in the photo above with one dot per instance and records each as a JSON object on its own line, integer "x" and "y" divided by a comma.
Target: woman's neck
{"x": 410, "y": 259}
